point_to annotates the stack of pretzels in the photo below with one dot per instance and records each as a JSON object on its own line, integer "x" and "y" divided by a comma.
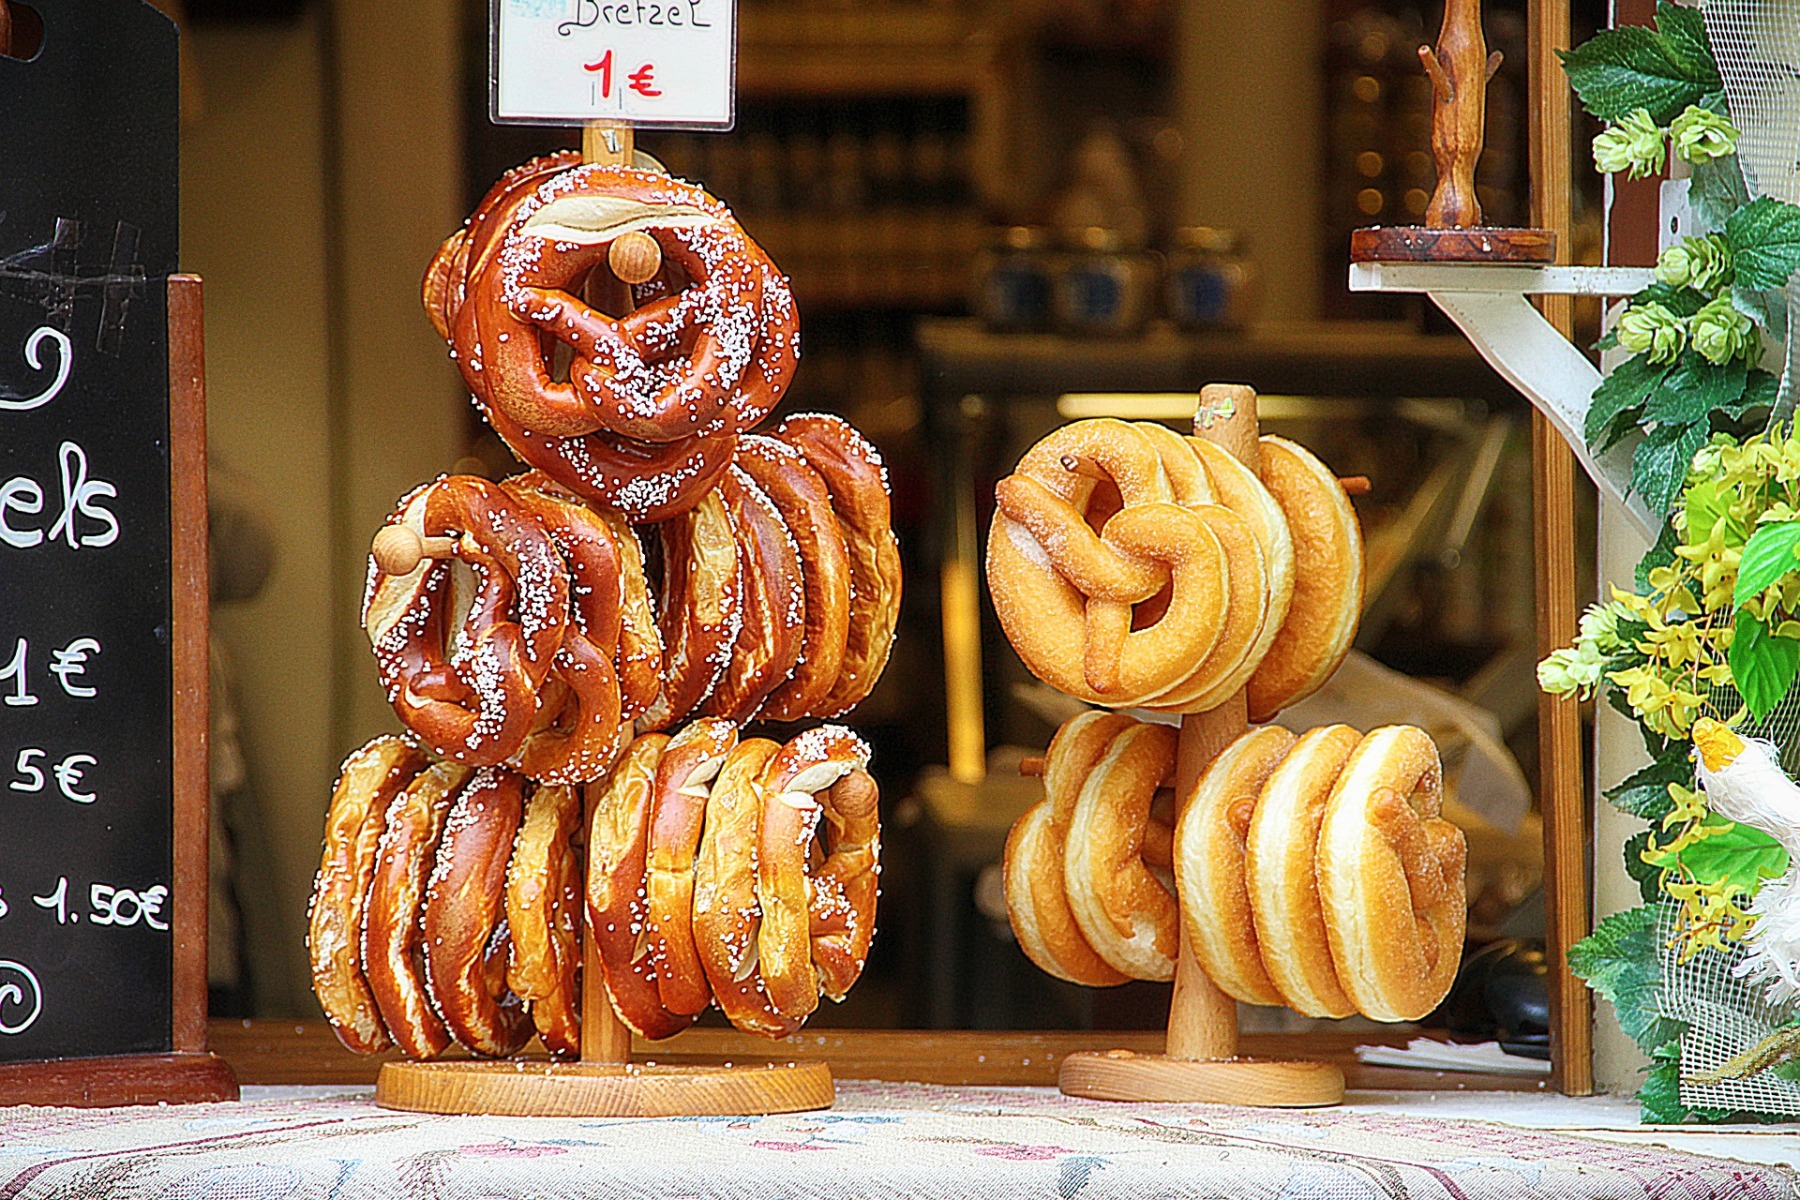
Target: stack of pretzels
{"x": 1314, "y": 872}
{"x": 1132, "y": 567}
{"x": 586, "y": 640}
{"x": 449, "y": 907}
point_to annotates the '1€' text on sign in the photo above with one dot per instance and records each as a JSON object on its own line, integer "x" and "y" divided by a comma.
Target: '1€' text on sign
{"x": 643, "y": 62}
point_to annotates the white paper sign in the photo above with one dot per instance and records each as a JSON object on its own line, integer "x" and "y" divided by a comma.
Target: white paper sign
{"x": 646, "y": 62}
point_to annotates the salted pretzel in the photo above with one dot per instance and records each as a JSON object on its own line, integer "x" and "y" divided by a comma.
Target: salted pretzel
{"x": 1125, "y": 911}
{"x": 391, "y": 953}
{"x": 574, "y": 739}
{"x": 800, "y": 495}
{"x": 639, "y": 660}
{"x": 806, "y": 768}
{"x": 845, "y": 886}
{"x": 366, "y": 785}
{"x": 1328, "y": 580}
{"x": 463, "y": 931}
{"x": 857, "y": 480}
{"x": 772, "y": 628}
{"x": 463, "y": 657}
{"x": 726, "y": 914}
{"x": 711, "y": 357}
{"x": 700, "y": 608}
{"x": 678, "y": 802}
{"x": 1281, "y": 849}
{"x": 1390, "y": 872}
{"x": 1209, "y": 864}
{"x": 617, "y": 911}
{"x": 543, "y": 913}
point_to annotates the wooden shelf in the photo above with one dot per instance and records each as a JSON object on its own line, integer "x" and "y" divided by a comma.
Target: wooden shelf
{"x": 809, "y": 51}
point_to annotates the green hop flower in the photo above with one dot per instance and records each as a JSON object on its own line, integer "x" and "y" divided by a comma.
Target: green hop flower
{"x": 1654, "y": 328}
{"x": 1701, "y": 134}
{"x": 1702, "y": 263}
{"x": 1721, "y": 333}
{"x": 1635, "y": 144}
{"x": 1599, "y": 633}
{"x": 1573, "y": 671}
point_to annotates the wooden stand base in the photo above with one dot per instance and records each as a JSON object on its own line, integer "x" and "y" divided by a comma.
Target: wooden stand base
{"x": 189, "y": 1078}
{"x": 1267, "y": 1083}
{"x": 535, "y": 1088}
{"x": 1419, "y": 243}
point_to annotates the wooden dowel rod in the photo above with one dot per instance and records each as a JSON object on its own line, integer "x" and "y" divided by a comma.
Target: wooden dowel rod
{"x": 1032, "y": 765}
{"x": 607, "y": 143}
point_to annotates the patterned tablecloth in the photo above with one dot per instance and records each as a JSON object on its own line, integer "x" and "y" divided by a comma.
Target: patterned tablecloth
{"x": 882, "y": 1140}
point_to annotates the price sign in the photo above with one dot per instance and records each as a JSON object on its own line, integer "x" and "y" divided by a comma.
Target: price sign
{"x": 87, "y": 244}
{"x": 668, "y": 63}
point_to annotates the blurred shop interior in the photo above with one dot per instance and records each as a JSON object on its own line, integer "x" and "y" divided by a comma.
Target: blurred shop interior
{"x": 997, "y": 215}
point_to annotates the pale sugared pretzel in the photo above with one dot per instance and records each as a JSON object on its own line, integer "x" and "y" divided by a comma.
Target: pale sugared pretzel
{"x": 617, "y": 909}
{"x": 463, "y": 931}
{"x": 711, "y": 357}
{"x": 858, "y": 482}
{"x": 543, "y": 912}
{"x": 799, "y": 492}
{"x": 1390, "y": 872}
{"x": 773, "y": 626}
{"x": 575, "y": 738}
{"x": 727, "y": 915}
{"x": 805, "y": 768}
{"x": 469, "y": 690}
{"x": 677, "y": 816}
{"x": 392, "y": 958}
{"x": 1125, "y": 910}
{"x": 700, "y": 611}
{"x": 367, "y": 784}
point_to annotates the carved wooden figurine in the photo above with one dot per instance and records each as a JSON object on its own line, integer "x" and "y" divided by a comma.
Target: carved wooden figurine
{"x": 1460, "y": 68}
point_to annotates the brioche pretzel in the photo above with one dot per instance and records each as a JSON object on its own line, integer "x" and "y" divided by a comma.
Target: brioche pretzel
{"x": 463, "y": 932}
{"x": 469, "y": 692}
{"x": 713, "y": 357}
{"x": 391, "y": 953}
{"x": 1223, "y": 671}
{"x": 804, "y": 502}
{"x": 1328, "y": 582}
{"x": 808, "y": 765}
{"x": 543, "y": 912}
{"x": 1209, "y": 864}
{"x": 678, "y": 803}
{"x": 1390, "y": 872}
{"x": 857, "y": 479}
{"x": 367, "y": 784}
{"x": 1281, "y": 849}
{"x": 726, "y": 913}
{"x": 575, "y": 737}
{"x": 772, "y": 628}
{"x": 1125, "y": 912}
{"x": 701, "y": 611}
{"x": 1189, "y": 485}
{"x": 616, "y": 905}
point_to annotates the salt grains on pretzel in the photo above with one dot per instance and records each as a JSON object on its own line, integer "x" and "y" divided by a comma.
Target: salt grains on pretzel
{"x": 700, "y": 610}
{"x": 464, "y": 653}
{"x": 367, "y": 784}
{"x": 772, "y": 628}
{"x": 543, "y": 913}
{"x": 846, "y": 885}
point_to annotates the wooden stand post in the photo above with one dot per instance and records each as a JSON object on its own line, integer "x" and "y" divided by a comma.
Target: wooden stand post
{"x": 1200, "y": 1062}
{"x": 605, "y": 1082}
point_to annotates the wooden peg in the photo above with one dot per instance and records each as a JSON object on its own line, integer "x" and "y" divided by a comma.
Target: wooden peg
{"x": 1031, "y": 765}
{"x": 398, "y": 549}
{"x": 634, "y": 257}
{"x": 607, "y": 144}
{"x": 1355, "y": 485}
{"x": 1459, "y": 68}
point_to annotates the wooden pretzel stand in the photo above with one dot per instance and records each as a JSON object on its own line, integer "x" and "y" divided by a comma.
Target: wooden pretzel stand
{"x": 1199, "y": 1061}
{"x": 605, "y": 1082}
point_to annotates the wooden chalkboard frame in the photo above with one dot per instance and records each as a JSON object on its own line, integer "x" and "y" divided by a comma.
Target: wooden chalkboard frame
{"x": 189, "y": 1073}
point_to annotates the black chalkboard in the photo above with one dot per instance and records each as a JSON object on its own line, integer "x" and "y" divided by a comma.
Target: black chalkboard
{"x": 88, "y": 238}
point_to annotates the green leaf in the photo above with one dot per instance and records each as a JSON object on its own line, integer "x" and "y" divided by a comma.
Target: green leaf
{"x": 1737, "y": 856}
{"x": 1684, "y": 33}
{"x": 1706, "y": 506}
{"x": 1716, "y": 190}
{"x": 1645, "y": 793}
{"x": 1620, "y": 70}
{"x": 1648, "y": 877}
{"x": 1659, "y": 1100}
{"x": 1661, "y": 554}
{"x": 1765, "y": 243}
{"x": 1760, "y": 389}
{"x": 1762, "y": 665}
{"x": 1622, "y": 961}
{"x": 1629, "y": 385}
{"x": 1660, "y": 464}
{"x": 1682, "y": 301}
{"x": 1768, "y": 555}
{"x": 1695, "y": 388}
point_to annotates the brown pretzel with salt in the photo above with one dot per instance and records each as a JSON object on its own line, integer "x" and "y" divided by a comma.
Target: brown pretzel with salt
{"x": 806, "y": 767}
{"x": 700, "y": 610}
{"x": 366, "y": 786}
{"x": 544, "y": 915}
{"x": 677, "y": 817}
{"x": 469, "y": 692}
{"x": 772, "y": 628}
{"x": 463, "y": 931}
{"x": 639, "y": 661}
